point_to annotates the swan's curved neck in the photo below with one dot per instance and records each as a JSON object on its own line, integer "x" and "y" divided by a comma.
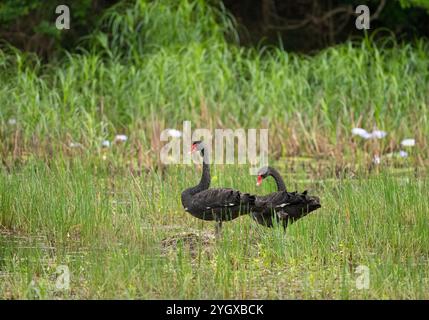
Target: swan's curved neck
{"x": 205, "y": 177}
{"x": 278, "y": 179}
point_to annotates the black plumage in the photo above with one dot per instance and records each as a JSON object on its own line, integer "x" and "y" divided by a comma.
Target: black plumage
{"x": 218, "y": 204}
{"x": 221, "y": 204}
{"x": 283, "y": 206}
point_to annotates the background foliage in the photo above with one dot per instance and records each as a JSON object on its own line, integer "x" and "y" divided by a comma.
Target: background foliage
{"x": 29, "y": 25}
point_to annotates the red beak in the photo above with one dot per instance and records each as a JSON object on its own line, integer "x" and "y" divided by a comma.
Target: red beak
{"x": 193, "y": 148}
{"x": 259, "y": 181}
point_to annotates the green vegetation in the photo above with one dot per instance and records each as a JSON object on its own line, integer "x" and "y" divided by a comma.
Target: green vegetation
{"x": 29, "y": 25}
{"x": 109, "y": 231}
{"x": 87, "y": 98}
{"x": 417, "y": 3}
{"x": 113, "y": 215}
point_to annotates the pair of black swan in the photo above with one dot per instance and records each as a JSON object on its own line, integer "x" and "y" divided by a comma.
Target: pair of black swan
{"x": 224, "y": 204}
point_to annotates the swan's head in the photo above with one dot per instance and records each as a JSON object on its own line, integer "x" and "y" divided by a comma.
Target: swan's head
{"x": 262, "y": 174}
{"x": 197, "y": 146}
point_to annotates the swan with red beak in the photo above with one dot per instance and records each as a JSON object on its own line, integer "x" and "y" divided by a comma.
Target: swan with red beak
{"x": 220, "y": 204}
{"x": 283, "y": 206}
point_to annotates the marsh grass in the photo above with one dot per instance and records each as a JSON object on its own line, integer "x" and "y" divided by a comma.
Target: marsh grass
{"x": 113, "y": 215}
{"x": 146, "y": 76}
{"x": 109, "y": 231}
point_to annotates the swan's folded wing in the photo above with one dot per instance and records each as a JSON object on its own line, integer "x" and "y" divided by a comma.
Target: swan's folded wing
{"x": 278, "y": 200}
{"x": 273, "y": 200}
{"x": 218, "y": 198}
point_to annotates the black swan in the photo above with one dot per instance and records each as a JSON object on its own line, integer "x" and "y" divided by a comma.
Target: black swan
{"x": 284, "y": 206}
{"x": 214, "y": 204}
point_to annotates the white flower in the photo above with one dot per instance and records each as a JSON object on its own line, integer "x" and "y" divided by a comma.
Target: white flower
{"x": 106, "y": 143}
{"x": 75, "y": 145}
{"x": 403, "y": 154}
{"x": 376, "y": 160}
{"x": 359, "y": 132}
{"x": 408, "y": 142}
{"x": 121, "y": 138}
{"x": 174, "y": 133}
{"x": 11, "y": 121}
{"x": 367, "y": 135}
{"x": 378, "y": 134}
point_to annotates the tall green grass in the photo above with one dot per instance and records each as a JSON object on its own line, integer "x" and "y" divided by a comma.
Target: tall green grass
{"x": 387, "y": 87}
{"x": 109, "y": 229}
{"x": 169, "y": 61}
